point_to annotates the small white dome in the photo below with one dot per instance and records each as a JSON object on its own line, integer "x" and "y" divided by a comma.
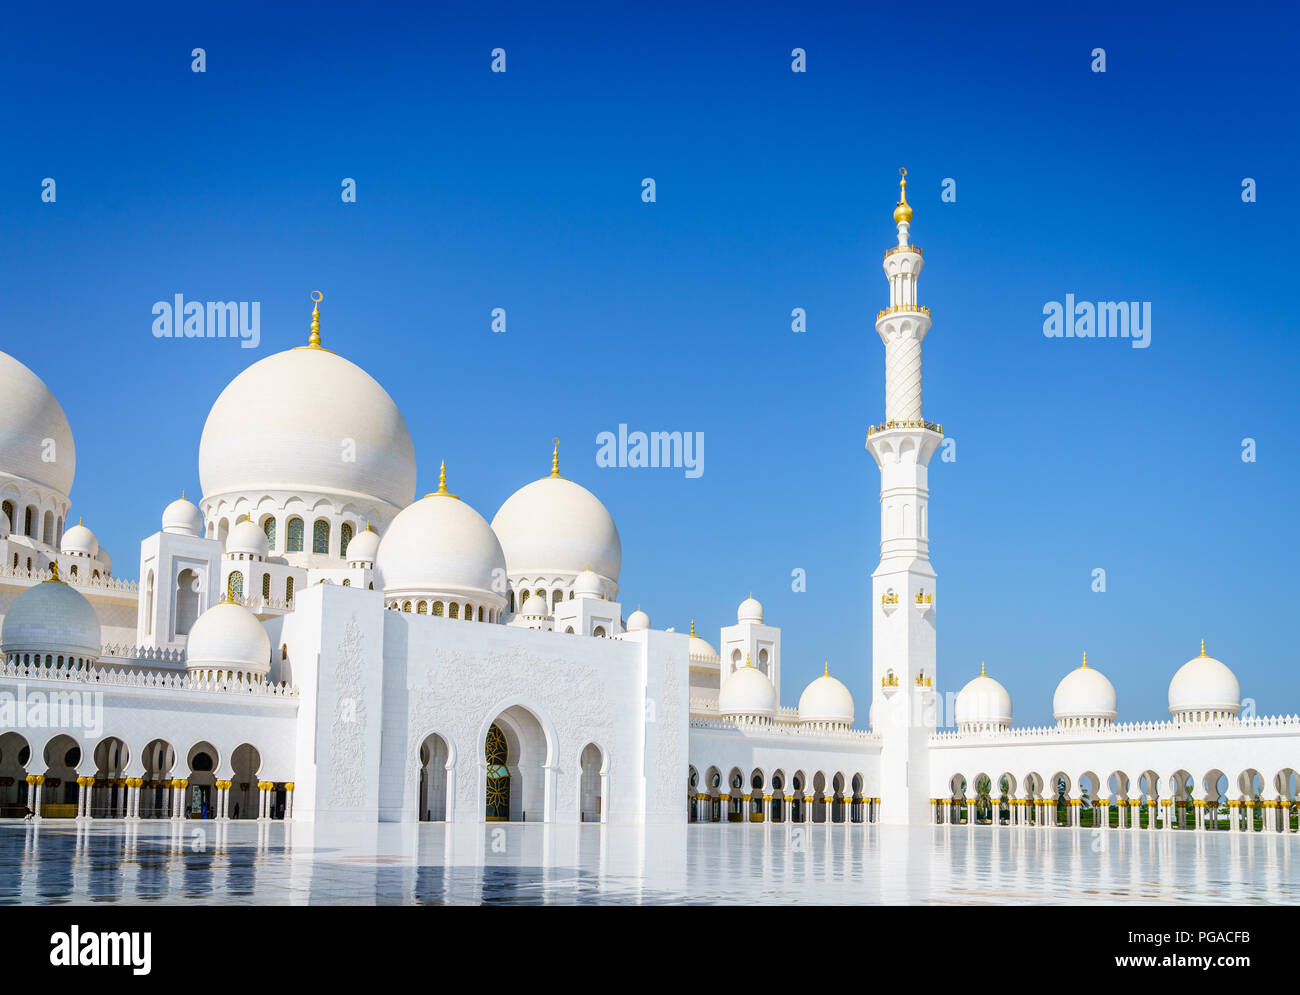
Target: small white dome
{"x": 554, "y": 526}
{"x": 247, "y": 538}
{"x": 826, "y": 700}
{"x": 750, "y": 610}
{"x": 535, "y": 605}
{"x": 1204, "y": 685}
{"x": 983, "y": 703}
{"x": 79, "y": 541}
{"x": 440, "y": 545}
{"x": 587, "y": 585}
{"x": 638, "y": 621}
{"x": 182, "y": 517}
{"x": 364, "y": 547}
{"x": 747, "y": 691}
{"x": 51, "y": 618}
{"x": 228, "y": 637}
{"x": 700, "y": 651}
{"x": 1084, "y": 693}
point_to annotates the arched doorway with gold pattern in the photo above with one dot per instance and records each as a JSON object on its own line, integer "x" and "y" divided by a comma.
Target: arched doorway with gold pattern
{"x": 518, "y": 773}
{"x": 496, "y": 754}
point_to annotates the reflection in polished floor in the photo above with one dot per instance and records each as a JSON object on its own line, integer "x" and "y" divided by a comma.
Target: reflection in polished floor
{"x": 57, "y": 862}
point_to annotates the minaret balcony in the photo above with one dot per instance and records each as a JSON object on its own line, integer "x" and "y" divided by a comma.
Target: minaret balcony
{"x": 894, "y": 250}
{"x": 905, "y": 423}
{"x": 901, "y": 308}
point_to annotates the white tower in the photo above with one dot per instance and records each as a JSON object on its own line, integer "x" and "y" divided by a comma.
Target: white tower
{"x": 904, "y": 597}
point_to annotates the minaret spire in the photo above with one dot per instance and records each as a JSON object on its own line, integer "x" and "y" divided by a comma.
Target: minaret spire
{"x": 555, "y": 459}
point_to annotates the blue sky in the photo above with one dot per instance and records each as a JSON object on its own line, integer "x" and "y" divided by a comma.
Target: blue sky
{"x": 775, "y": 189}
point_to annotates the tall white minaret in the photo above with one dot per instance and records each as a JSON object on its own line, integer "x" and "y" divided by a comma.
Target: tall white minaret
{"x": 904, "y": 598}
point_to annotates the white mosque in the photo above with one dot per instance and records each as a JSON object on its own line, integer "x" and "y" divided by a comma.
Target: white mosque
{"x": 310, "y": 642}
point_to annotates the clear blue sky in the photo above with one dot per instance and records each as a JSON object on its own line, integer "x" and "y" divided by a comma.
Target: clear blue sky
{"x": 479, "y": 190}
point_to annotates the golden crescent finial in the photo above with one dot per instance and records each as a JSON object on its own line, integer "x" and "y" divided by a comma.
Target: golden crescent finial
{"x": 1084, "y": 665}
{"x": 313, "y": 340}
{"x": 983, "y": 673}
{"x": 555, "y": 458}
{"x": 903, "y": 210}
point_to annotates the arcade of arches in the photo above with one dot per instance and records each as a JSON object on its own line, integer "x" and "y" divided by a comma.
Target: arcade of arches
{"x": 1250, "y": 802}
{"x": 162, "y": 783}
{"x": 780, "y": 797}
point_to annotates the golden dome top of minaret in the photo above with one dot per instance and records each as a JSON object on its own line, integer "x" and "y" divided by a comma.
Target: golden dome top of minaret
{"x": 903, "y": 212}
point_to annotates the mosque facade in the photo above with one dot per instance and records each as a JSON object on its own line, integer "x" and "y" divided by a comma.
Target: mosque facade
{"x": 310, "y": 641}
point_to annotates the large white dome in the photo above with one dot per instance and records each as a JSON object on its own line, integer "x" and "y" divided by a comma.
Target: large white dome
{"x": 554, "y": 526}
{"x": 440, "y": 545}
{"x": 29, "y": 415}
{"x": 290, "y": 422}
{"x": 826, "y": 700}
{"x": 1204, "y": 687}
{"x": 1085, "y": 694}
{"x": 747, "y": 691}
{"x": 228, "y": 638}
{"x": 982, "y": 704}
{"x": 51, "y": 618}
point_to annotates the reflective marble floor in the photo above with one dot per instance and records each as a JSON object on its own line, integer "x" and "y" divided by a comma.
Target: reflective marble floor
{"x": 237, "y": 863}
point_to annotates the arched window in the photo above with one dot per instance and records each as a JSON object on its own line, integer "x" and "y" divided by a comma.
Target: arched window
{"x": 347, "y": 582}
{"x": 480, "y": 613}
{"x": 295, "y": 536}
{"x": 288, "y": 589}
{"x": 235, "y": 585}
{"x": 406, "y": 606}
{"x": 27, "y": 520}
{"x": 266, "y": 585}
{"x": 268, "y": 527}
{"x": 148, "y": 604}
{"x": 453, "y": 611}
{"x": 422, "y": 608}
{"x": 8, "y": 508}
{"x": 320, "y": 536}
{"x": 511, "y": 591}
{"x": 345, "y": 537}
{"x": 47, "y": 532}
{"x": 437, "y": 608}
{"x": 599, "y": 631}
{"x": 74, "y": 570}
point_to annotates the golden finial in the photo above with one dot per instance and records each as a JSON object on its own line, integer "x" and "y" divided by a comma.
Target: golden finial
{"x": 182, "y": 493}
{"x": 79, "y": 520}
{"x": 313, "y": 342}
{"x": 826, "y": 669}
{"x": 442, "y": 483}
{"x": 555, "y": 459}
{"x": 54, "y": 573}
{"x": 982, "y": 671}
{"x": 747, "y": 663}
{"x": 1202, "y": 647}
{"x": 903, "y": 212}
{"x": 1084, "y": 665}
{"x": 692, "y": 627}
